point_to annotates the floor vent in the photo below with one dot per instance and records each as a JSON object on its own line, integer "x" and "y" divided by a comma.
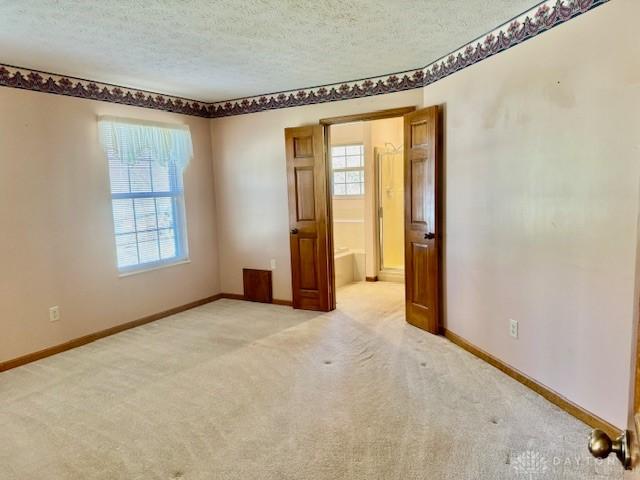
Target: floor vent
{"x": 257, "y": 285}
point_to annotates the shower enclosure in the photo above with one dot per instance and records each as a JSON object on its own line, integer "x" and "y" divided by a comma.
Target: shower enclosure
{"x": 390, "y": 204}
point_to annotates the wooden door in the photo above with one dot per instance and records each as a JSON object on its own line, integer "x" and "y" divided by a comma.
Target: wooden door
{"x": 309, "y": 231}
{"x": 422, "y": 167}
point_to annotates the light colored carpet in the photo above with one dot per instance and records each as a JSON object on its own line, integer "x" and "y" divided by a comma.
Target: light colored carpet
{"x": 236, "y": 390}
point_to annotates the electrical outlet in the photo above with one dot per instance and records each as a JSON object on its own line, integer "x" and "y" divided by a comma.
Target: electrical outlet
{"x": 273, "y": 264}
{"x": 54, "y": 314}
{"x": 513, "y": 328}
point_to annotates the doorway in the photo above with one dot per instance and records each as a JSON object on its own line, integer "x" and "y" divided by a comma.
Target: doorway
{"x": 366, "y": 182}
{"x": 321, "y": 165}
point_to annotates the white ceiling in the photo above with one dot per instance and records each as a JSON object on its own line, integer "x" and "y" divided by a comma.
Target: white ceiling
{"x": 213, "y": 50}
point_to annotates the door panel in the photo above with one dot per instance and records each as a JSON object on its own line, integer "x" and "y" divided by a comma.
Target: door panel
{"x": 305, "y": 195}
{"x": 421, "y": 255}
{"x": 303, "y": 146}
{"x": 420, "y": 132}
{"x": 422, "y": 218}
{"x": 418, "y": 205}
{"x": 308, "y": 261}
{"x": 311, "y": 261}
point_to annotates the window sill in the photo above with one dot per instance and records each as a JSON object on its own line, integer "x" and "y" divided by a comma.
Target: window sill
{"x": 154, "y": 267}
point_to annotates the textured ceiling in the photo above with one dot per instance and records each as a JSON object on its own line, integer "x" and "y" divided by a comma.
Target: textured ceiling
{"x": 218, "y": 50}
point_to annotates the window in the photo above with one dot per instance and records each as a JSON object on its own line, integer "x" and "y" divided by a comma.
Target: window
{"x": 147, "y": 199}
{"x": 348, "y": 169}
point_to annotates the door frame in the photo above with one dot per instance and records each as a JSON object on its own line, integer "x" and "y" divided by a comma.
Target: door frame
{"x": 634, "y": 414}
{"x": 327, "y": 122}
{"x": 363, "y": 117}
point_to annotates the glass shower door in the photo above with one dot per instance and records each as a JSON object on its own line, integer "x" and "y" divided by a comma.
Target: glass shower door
{"x": 390, "y": 163}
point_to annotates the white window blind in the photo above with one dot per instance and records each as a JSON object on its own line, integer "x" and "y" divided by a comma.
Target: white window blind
{"x": 147, "y": 194}
{"x": 348, "y": 169}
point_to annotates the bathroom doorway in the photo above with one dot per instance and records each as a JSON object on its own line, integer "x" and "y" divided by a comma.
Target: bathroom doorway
{"x": 365, "y": 160}
{"x": 321, "y": 168}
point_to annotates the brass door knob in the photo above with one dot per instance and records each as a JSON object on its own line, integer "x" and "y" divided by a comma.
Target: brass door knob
{"x": 429, "y": 236}
{"x": 294, "y": 231}
{"x": 601, "y": 446}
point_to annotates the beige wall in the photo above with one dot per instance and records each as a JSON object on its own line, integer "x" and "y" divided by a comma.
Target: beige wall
{"x": 542, "y": 201}
{"x": 542, "y": 167}
{"x": 57, "y": 246}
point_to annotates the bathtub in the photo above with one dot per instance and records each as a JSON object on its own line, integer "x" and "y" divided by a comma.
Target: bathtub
{"x": 349, "y": 266}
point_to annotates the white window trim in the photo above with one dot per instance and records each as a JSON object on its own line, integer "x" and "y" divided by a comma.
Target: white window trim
{"x": 179, "y": 226}
{"x": 347, "y": 169}
{"x": 154, "y": 266}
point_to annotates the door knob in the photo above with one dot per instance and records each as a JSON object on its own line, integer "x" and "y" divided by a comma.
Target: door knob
{"x": 601, "y": 446}
{"x": 429, "y": 236}
{"x": 294, "y": 231}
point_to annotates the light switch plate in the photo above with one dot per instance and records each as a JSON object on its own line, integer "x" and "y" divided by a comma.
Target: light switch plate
{"x": 54, "y": 314}
{"x": 513, "y": 328}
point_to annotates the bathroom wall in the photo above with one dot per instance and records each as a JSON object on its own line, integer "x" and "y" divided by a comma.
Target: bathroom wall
{"x": 348, "y": 212}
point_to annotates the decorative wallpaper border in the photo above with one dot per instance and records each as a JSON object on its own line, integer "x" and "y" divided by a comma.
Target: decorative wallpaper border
{"x": 37, "y": 81}
{"x": 540, "y": 18}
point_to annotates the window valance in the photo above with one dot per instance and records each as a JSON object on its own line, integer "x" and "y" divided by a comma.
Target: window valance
{"x": 131, "y": 141}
